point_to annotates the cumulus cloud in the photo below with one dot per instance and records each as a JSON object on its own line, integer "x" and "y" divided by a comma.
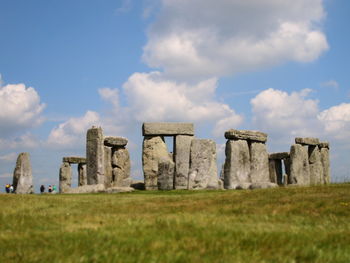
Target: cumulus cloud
{"x": 216, "y": 38}
{"x": 282, "y": 114}
{"x": 154, "y": 98}
{"x": 20, "y": 108}
{"x": 336, "y": 121}
{"x": 73, "y": 131}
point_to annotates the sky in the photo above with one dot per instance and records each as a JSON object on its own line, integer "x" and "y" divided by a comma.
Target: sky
{"x": 277, "y": 66}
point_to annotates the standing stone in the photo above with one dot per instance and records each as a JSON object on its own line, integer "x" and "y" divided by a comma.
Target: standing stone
{"x": 22, "y": 175}
{"x": 166, "y": 169}
{"x": 325, "y": 165}
{"x": 108, "y": 169}
{"x": 259, "y": 163}
{"x": 316, "y": 168}
{"x": 65, "y": 177}
{"x": 237, "y": 163}
{"x": 121, "y": 167}
{"x": 203, "y": 164}
{"x": 167, "y": 128}
{"x": 286, "y": 162}
{"x": 95, "y": 156}
{"x": 275, "y": 168}
{"x": 154, "y": 148}
{"x": 299, "y": 166}
{"x": 82, "y": 180}
{"x": 182, "y": 160}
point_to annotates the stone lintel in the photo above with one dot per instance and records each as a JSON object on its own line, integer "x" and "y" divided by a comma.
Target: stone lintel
{"x": 74, "y": 159}
{"x": 115, "y": 141}
{"x": 324, "y": 145}
{"x": 279, "y": 156}
{"x": 167, "y": 128}
{"x": 307, "y": 141}
{"x": 246, "y": 135}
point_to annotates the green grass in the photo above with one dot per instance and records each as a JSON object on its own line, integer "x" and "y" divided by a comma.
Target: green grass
{"x": 274, "y": 225}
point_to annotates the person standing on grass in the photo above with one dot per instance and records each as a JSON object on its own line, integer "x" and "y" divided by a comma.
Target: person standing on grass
{"x": 7, "y": 188}
{"x": 50, "y": 189}
{"x": 12, "y": 190}
{"x": 54, "y": 189}
{"x": 42, "y": 189}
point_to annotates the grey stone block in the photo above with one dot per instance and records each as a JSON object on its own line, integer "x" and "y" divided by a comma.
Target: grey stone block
{"x": 182, "y": 160}
{"x": 95, "y": 156}
{"x": 279, "y": 156}
{"x": 166, "y": 169}
{"x": 299, "y": 165}
{"x": 82, "y": 179}
{"x": 167, "y": 128}
{"x": 307, "y": 141}
{"x": 246, "y": 135}
{"x": 22, "y": 175}
{"x": 323, "y": 145}
{"x": 325, "y": 165}
{"x": 259, "y": 163}
{"x": 65, "y": 177}
{"x": 115, "y": 141}
{"x": 74, "y": 159}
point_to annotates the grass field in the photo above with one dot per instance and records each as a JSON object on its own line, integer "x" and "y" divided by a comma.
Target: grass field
{"x": 273, "y": 225}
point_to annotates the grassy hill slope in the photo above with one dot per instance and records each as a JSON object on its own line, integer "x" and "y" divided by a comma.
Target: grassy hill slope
{"x": 306, "y": 224}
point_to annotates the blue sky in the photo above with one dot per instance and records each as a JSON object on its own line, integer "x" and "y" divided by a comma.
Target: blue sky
{"x": 281, "y": 67}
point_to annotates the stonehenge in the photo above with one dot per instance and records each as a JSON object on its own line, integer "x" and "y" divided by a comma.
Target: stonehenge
{"x": 191, "y": 166}
{"x": 106, "y": 166}
{"x": 247, "y": 161}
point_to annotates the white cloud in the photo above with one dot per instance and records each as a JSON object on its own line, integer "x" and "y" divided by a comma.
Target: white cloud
{"x": 331, "y": 84}
{"x": 215, "y": 38}
{"x": 8, "y": 157}
{"x": 24, "y": 141}
{"x": 286, "y": 115}
{"x": 20, "y": 108}
{"x": 154, "y": 98}
{"x": 336, "y": 121}
{"x": 73, "y": 131}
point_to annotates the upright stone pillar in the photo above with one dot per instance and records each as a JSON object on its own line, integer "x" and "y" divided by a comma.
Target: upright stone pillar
{"x": 182, "y": 148}
{"x": 259, "y": 163}
{"x": 299, "y": 167}
{"x": 121, "y": 167}
{"x": 82, "y": 180}
{"x": 325, "y": 162}
{"x": 108, "y": 166}
{"x": 166, "y": 169}
{"x": 95, "y": 156}
{"x": 275, "y": 170}
{"x": 65, "y": 177}
{"x": 22, "y": 175}
{"x": 237, "y": 163}
{"x": 316, "y": 169}
{"x": 203, "y": 164}
{"x": 154, "y": 148}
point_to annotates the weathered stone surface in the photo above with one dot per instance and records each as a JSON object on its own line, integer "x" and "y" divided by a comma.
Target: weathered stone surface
{"x": 65, "y": 177}
{"x": 95, "y": 156}
{"x": 154, "y": 148}
{"x": 275, "y": 168}
{"x": 108, "y": 166}
{"x": 203, "y": 164}
{"x": 279, "y": 156}
{"x": 285, "y": 179}
{"x": 263, "y": 185}
{"x": 74, "y": 159}
{"x": 286, "y": 163}
{"x": 241, "y": 186}
{"x": 95, "y": 188}
{"x": 323, "y": 145}
{"x": 246, "y": 135}
{"x": 307, "y": 141}
{"x": 182, "y": 160}
{"x": 82, "y": 179}
{"x": 167, "y": 128}
{"x": 121, "y": 166}
{"x": 237, "y": 163}
{"x": 119, "y": 189}
{"x": 22, "y": 175}
{"x": 299, "y": 165}
{"x": 115, "y": 141}
{"x": 325, "y": 165}
{"x": 259, "y": 163}
{"x": 316, "y": 168}
{"x": 166, "y": 171}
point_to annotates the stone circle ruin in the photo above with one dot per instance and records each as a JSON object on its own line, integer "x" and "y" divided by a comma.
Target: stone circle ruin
{"x": 191, "y": 165}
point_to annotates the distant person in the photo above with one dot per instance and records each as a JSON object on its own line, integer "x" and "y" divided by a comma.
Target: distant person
{"x": 12, "y": 190}
{"x": 50, "y": 189}
{"x": 7, "y": 188}
{"x": 54, "y": 189}
{"x": 42, "y": 189}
